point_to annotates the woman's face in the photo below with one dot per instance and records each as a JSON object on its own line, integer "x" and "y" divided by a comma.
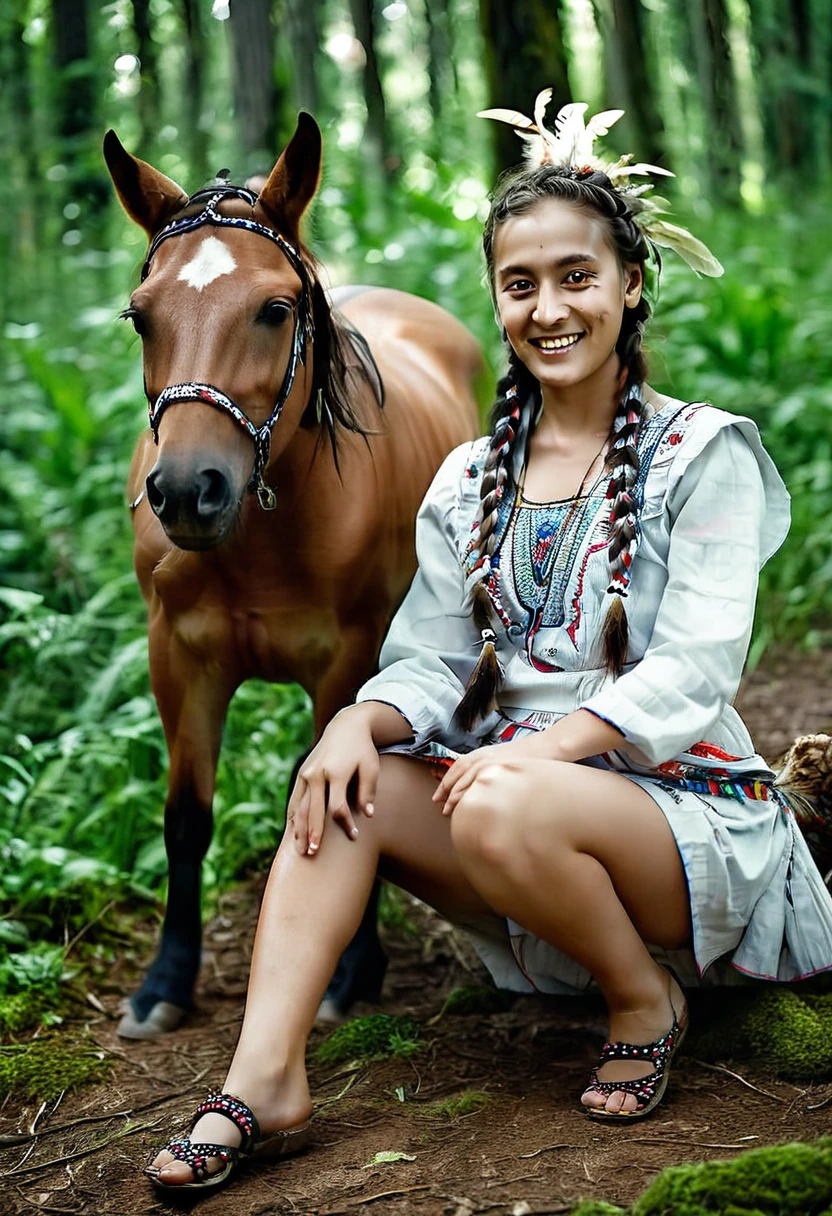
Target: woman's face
{"x": 561, "y": 292}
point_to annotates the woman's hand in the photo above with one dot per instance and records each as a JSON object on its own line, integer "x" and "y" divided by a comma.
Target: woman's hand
{"x": 464, "y": 771}
{"x": 345, "y": 750}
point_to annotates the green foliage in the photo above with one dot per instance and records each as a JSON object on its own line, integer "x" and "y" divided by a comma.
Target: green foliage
{"x": 477, "y": 999}
{"x": 457, "y": 1106}
{"x": 784, "y": 1180}
{"x": 30, "y": 988}
{"x": 392, "y": 911}
{"x": 371, "y": 1038}
{"x": 45, "y": 1067}
{"x": 779, "y": 1181}
{"x": 787, "y": 1032}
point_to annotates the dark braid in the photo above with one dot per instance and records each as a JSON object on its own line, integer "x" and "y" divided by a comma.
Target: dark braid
{"x": 518, "y": 391}
{"x": 513, "y": 392}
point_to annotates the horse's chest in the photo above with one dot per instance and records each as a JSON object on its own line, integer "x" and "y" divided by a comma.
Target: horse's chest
{"x": 283, "y": 646}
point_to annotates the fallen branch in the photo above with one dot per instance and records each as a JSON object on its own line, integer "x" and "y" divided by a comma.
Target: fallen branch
{"x": 547, "y": 1149}
{"x": 84, "y": 1152}
{"x": 42, "y": 1207}
{"x": 737, "y": 1077}
{"x": 7, "y": 1141}
{"x": 357, "y": 1203}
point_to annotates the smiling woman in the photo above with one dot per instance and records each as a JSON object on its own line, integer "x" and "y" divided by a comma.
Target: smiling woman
{"x": 566, "y": 779}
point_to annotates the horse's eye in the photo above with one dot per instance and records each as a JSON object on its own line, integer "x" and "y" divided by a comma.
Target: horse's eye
{"x": 275, "y": 312}
{"x": 136, "y": 319}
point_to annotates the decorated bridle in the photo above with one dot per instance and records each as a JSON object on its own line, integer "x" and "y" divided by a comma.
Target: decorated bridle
{"x": 261, "y": 436}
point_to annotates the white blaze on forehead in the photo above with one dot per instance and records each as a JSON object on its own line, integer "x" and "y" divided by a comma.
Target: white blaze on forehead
{"x": 212, "y": 260}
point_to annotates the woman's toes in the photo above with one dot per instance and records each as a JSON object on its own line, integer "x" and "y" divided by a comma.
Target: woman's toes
{"x": 591, "y": 1097}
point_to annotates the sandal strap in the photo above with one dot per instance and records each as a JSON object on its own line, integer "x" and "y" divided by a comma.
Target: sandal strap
{"x": 237, "y": 1113}
{"x": 642, "y": 1088}
{"x": 196, "y": 1155}
{"x": 656, "y": 1053}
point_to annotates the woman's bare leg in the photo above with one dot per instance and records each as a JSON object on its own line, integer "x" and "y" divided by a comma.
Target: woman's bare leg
{"x": 584, "y": 859}
{"x": 311, "y": 909}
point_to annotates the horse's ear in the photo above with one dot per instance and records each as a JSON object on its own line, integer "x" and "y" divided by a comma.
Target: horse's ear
{"x": 148, "y": 197}
{"x": 293, "y": 181}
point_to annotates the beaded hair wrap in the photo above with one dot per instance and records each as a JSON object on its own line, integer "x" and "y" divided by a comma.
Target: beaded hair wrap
{"x": 487, "y": 676}
{"x": 638, "y": 227}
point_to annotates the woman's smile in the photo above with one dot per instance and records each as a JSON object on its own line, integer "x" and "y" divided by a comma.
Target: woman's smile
{"x": 556, "y": 347}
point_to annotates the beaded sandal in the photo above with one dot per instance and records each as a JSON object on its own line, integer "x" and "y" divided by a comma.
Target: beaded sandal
{"x": 197, "y": 1155}
{"x": 648, "y": 1091}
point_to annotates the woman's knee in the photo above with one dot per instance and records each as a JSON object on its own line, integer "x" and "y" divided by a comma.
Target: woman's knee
{"x": 487, "y": 822}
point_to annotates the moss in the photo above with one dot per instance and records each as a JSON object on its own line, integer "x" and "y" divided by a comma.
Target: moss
{"x": 460, "y": 1104}
{"x": 597, "y": 1207}
{"x": 780, "y": 1181}
{"x": 371, "y": 1038}
{"x": 24, "y": 1011}
{"x": 477, "y": 999}
{"x": 779, "y": 1028}
{"x": 45, "y": 1067}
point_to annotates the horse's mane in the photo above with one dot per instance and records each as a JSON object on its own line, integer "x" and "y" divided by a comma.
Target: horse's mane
{"x": 332, "y": 371}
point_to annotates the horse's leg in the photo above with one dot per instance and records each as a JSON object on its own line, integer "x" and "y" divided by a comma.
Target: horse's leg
{"x": 362, "y": 967}
{"x": 192, "y": 696}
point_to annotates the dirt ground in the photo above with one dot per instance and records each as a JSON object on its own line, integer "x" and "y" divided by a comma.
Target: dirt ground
{"x": 526, "y": 1151}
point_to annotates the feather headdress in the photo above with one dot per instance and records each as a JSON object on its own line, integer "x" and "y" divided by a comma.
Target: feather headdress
{"x": 570, "y": 145}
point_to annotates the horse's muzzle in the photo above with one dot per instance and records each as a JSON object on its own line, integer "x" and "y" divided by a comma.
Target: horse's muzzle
{"x": 197, "y": 508}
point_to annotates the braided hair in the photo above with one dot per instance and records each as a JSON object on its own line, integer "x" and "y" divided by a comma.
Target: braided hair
{"x": 518, "y": 396}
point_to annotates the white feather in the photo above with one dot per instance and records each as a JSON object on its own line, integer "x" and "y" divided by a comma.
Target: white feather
{"x": 513, "y": 117}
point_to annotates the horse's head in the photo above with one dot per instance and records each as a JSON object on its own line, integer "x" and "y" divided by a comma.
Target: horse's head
{"x": 227, "y": 320}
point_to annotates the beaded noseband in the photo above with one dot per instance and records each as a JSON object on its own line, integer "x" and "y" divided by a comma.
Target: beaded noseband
{"x": 261, "y": 436}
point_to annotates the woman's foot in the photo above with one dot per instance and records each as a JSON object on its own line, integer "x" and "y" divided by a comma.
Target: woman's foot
{"x": 640, "y": 1026}
{"x": 277, "y": 1105}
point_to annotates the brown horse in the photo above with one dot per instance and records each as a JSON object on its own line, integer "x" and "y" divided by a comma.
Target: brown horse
{"x": 256, "y": 381}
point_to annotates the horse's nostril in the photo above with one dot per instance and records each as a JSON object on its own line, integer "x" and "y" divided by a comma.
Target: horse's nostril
{"x": 155, "y": 496}
{"x": 213, "y": 492}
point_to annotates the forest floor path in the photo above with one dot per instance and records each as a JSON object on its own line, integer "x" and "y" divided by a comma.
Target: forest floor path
{"x": 525, "y": 1151}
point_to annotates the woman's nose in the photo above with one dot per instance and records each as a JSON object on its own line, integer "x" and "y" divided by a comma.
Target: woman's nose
{"x": 550, "y": 307}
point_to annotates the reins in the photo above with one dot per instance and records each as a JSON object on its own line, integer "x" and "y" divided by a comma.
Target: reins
{"x": 303, "y": 332}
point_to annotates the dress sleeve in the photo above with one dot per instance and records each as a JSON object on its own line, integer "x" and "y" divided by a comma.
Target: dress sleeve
{"x": 692, "y": 666}
{"x": 432, "y": 646}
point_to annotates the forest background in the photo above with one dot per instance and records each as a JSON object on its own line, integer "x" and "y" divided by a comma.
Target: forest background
{"x": 734, "y": 95}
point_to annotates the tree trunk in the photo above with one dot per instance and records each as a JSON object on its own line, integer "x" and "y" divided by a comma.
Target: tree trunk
{"x": 194, "y": 90}
{"x": 304, "y": 26}
{"x": 630, "y": 70}
{"x": 440, "y": 64}
{"x": 256, "y": 97}
{"x": 524, "y": 54}
{"x": 365, "y": 24}
{"x": 708, "y": 24}
{"x": 788, "y": 89}
{"x": 75, "y": 96}
{"x": 146, "y": 49}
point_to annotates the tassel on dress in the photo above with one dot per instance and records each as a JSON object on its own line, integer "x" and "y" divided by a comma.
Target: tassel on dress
{"x": 615, "y": 636}
{"x": 480, "y": 696}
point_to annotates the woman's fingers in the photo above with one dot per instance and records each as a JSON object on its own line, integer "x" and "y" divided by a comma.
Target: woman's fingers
{"x": 368, "y": 770}
{"x": 297, "y": 814}
{"x": 338, "y": 805}
{"x": 466, "y": 780}
{"x": 452, "y": 776}
{"x": 316, "y": 815}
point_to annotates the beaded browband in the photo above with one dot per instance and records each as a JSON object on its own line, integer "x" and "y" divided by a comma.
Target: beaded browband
{"x": 303, "y": 332}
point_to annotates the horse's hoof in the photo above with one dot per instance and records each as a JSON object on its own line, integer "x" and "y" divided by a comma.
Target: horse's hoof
{"x": 330, "y": 1013}
{"x": 162, "y": 1018}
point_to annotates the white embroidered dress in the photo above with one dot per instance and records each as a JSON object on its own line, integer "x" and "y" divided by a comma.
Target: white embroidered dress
{"x": 713, "y": 509}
